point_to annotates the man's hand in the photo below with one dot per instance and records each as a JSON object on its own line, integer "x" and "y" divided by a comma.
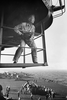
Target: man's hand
{"x": 32, "y": 37}
{"x": 18, "y": 31}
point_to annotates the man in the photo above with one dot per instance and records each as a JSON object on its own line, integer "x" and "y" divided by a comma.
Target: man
{"x": 1, "y": 93}
{"x": 7, "y": 91}
{"x": 1, "y": 88}
{"x": 26, "y": 31}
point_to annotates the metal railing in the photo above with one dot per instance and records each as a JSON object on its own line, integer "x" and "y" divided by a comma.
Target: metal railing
{"x": 24, "y": 54}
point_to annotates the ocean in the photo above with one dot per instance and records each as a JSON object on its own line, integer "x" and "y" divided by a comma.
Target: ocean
{"x": 59, "y": 76}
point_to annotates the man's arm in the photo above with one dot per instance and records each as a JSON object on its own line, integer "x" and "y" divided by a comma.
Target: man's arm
{"x": 17, "y": 29}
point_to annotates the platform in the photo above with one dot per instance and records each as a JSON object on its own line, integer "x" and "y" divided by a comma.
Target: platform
{"x": 17, "y": 65}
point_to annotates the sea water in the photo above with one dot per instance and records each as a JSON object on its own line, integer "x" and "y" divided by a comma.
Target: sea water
{"x": 59, "y": 76}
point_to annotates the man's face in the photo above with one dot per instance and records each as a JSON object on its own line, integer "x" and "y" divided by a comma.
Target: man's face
{"x": 32, "y": 19}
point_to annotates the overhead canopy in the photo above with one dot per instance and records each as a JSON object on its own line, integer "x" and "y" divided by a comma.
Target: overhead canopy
{"x": 18, "y": 11}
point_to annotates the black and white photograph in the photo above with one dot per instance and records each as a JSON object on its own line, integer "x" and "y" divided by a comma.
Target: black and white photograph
{"x": 33, "y": 50}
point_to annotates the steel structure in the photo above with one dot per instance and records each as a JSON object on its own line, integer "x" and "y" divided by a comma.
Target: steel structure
{"x": 44, "y": 19}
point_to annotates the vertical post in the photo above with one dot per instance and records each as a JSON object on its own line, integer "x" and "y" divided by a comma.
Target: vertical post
{"x": 60, "y": 3}
{"x": 24, "y": 55}
{"x": 44, "y": 46}
{"x": 64, "y": 7}
{"x": 50, "y": 2}
{"x": 1, "y": 33}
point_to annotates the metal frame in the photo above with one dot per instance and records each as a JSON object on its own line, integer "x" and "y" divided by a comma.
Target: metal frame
{"x": 23, "y": 65}
{"x": 44, "y": 46}
{"x": 62, "y": 10}
{"x": 1, "y": 32}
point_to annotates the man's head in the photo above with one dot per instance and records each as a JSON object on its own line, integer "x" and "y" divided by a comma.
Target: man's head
{"x": 31, "y": 19}
{"x": 27, "y": 82}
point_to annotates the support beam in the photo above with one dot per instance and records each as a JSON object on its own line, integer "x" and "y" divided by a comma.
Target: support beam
{"x": 1, "y": 32}
{"x": 24, "y": 55}
{"x": 44, "y": 46}
{"x": 20, "y": 65}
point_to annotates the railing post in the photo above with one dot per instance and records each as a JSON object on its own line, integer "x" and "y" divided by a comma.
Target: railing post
{"x": 24, "y": 55}
{"x": 1, "y": 32}
{"x": 44, "y": 46}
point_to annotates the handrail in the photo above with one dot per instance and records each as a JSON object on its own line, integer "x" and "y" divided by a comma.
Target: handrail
{"x": 16, "y": 46}
{"x": 21, "y": 55}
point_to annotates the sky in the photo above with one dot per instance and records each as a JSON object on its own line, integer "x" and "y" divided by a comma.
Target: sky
{"x": 56, "y": 47}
